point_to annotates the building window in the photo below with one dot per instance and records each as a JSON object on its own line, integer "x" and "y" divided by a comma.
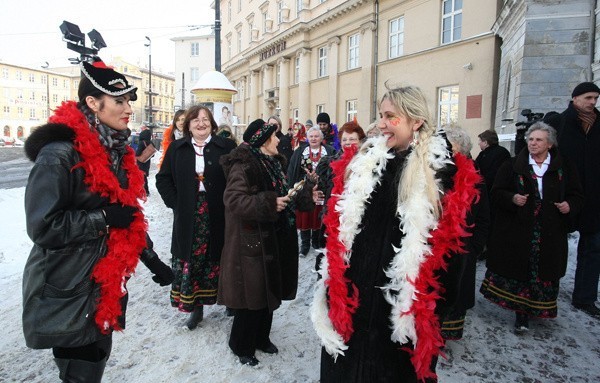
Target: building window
{"x": 45, "y": 113}
{"x": 239, "y": 41}
{"x": 55, "y": 98}
{"x": 133, "y": 117}
{"x": 279, "y": 13}
{"x": 396, "y": 37}
{"x": 265, "y": 17}
{"x": 351, "y": 109}
{"x": 44, "y": 79}
{"x": 229, "y": 47}
{"x": 451, "y": 20}
{"x": 66, "y": 84}
{"x": 299, "y": 7}
{"x": 320, "y": 108}
{"x": 31, "y": 77}
{"x": 195, "y": 49}
{"x": 6, "y": 109}
{"x": 5, "y": 73}
{"x": 229, "y": 11}
{"x": 54, "y": 81}
{"x": 296, "y": 114}
{"x": 297, "y": 70}
{"x": 239, "y": 6}
{"x": 278, "y": 75}
{"x": 353, "y": 51}
{"x": 322, "y": 62}
{"x": 32, "y": 96}
{"x": 20, "y": 112}
{"x": 31, "y": 113}
{"x": 19, "y": 75}
{"x": 44, "y": 98}
{"x": 448, "y": 105}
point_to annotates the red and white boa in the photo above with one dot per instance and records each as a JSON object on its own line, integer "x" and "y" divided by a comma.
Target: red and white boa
{"x": 124, "y": 246}
{"x": 413, "y": 289}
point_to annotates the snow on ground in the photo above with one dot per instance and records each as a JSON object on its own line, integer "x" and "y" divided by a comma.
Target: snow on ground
{"x": 155, "y": 348}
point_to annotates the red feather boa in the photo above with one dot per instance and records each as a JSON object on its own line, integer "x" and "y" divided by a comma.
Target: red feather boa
{"x": 124, "y": 246}
{"x": 446, "y": 239}
{"x": 341, "y": 304}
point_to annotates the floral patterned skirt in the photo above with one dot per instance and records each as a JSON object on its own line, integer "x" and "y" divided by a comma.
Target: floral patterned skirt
{"x": 534, "y": 297}
{"x": 196, "y": 280}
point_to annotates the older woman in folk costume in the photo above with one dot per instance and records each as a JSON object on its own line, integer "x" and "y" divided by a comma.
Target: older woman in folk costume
{"x": 536, "y": 194}
{"x": 191, "y": 182}
{"x": 396, "y": 214}
{"x": 88, "y": 229}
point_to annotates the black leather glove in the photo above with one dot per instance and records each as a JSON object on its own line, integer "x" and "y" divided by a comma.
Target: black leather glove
{"x": 163, "y": 273}
{"x": 117, "y": 215}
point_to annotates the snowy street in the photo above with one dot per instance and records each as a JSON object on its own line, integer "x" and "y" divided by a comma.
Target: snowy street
{"x": 154, "y": 347}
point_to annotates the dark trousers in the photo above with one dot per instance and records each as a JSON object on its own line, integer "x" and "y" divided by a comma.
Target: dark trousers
{"x": 250, "y": 330}
{"x": 93, "y": 352}
{"x": 585, "y": 290}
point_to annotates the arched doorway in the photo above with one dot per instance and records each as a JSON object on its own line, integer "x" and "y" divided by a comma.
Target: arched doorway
{"x": 6, "y": 131}
{"x": 20, "y": 132}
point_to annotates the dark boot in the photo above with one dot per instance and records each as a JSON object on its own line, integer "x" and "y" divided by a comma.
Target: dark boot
{"x": 80, "y": 371}
{"x": 195, "y": 317}
{"x": 305, "y": 241}
{"x": 521, "y": 323}
{"x": 316, "y": 239}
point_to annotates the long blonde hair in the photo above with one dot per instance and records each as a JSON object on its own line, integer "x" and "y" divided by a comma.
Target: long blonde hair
{"x": 410, "y": 102}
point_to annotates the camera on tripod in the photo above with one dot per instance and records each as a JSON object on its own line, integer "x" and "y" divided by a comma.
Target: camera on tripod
{"x": 522, "y": 127}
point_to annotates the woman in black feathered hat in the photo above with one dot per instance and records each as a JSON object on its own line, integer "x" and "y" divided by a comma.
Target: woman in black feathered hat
{"x": 259, "y": 263}
{"x": 84, "y": 218}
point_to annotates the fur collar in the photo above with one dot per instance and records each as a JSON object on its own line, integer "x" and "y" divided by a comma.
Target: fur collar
{"x": 44, "y": 135}
{"x": 242, "y": 154}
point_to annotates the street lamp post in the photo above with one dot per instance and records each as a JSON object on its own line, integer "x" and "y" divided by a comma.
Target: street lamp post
{"x": 149, "y": 45}
{"x": 217, "y": 35}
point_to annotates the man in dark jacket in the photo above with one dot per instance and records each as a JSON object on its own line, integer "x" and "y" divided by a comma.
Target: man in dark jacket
{"x": 488, "y": 161}
{"x": 578, "y": 130}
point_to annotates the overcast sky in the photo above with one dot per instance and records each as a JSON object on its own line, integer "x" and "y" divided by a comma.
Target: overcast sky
{"x": 30, "y": 34}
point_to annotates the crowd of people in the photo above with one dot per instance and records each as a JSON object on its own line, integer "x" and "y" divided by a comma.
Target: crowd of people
{"x": 398, "y": 215}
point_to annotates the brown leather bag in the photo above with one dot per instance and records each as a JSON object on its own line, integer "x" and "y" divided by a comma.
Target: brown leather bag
{"x": 147, "y": 153}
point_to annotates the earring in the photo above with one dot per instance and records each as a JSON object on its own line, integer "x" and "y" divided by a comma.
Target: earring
{"x": 415, "y": 140}
{"x": 96, "y": 120}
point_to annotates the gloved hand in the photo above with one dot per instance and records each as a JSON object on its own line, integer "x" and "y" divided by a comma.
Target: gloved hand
{"x": 163, "y": 273}
{"x": 117, "y": 215}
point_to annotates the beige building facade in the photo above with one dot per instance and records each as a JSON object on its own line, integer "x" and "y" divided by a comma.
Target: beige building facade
{"x": 28, "y": 95}
{"x": 299, "y": 58}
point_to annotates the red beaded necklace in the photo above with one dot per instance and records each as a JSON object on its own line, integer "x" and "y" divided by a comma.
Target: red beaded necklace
{"x": 201, "y": 154}
{"x": 314, "y": 158}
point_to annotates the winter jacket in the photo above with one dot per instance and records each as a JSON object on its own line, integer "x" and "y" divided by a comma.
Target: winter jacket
{"x": 510, "y": 243}
{"x": 285, "y": 146}
{"x": 489, "y": 161}
{"x": 583, "y": 150}
{"x": 68, "y": 230}
{"x": 178, "y": 186}
{"x": 259, "y": 264}
{"x": 295, "y": 171}
{"x": 145, "y": 140}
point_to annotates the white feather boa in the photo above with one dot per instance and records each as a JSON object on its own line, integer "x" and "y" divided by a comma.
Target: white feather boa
{"x": 416, "y": 221}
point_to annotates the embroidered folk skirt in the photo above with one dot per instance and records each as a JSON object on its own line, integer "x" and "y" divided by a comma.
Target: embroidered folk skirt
{"x": 534, "y": 297}
{"x": 453, "y": 325}
{"x": 309, "y": 220}
{"x": 196, "y": 280}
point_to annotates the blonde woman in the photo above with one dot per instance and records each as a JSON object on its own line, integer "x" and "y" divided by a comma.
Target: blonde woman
{"x": 377, "y": 305}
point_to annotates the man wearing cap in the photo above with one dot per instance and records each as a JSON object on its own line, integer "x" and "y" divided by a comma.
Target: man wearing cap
{"x": 329, "y": 132}
{"x": 578, "y": 129}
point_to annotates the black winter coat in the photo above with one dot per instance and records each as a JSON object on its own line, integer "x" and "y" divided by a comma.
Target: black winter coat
{"x": 583, "y": 150}
{"x": 295, "y": 172}
{"x": 68, "y": 229}
{"x": 144, "y": 140}
{"x": 177, "y": 184}
{"x": 489, "y": 161}
{"x": 285, "y": 146}
{"x": 512, "y": 232}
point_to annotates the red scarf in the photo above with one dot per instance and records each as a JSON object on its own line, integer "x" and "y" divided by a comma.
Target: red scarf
{"x": 124, "y": 246}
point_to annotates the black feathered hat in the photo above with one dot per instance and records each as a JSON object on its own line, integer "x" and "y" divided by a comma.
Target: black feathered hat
{"x": 99, "y": 78}
{"x": 258, "y": 132}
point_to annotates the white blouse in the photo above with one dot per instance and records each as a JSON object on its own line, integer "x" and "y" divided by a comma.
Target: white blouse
{"x": 539, "y": 171}
{"x": 199, "y": 149}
